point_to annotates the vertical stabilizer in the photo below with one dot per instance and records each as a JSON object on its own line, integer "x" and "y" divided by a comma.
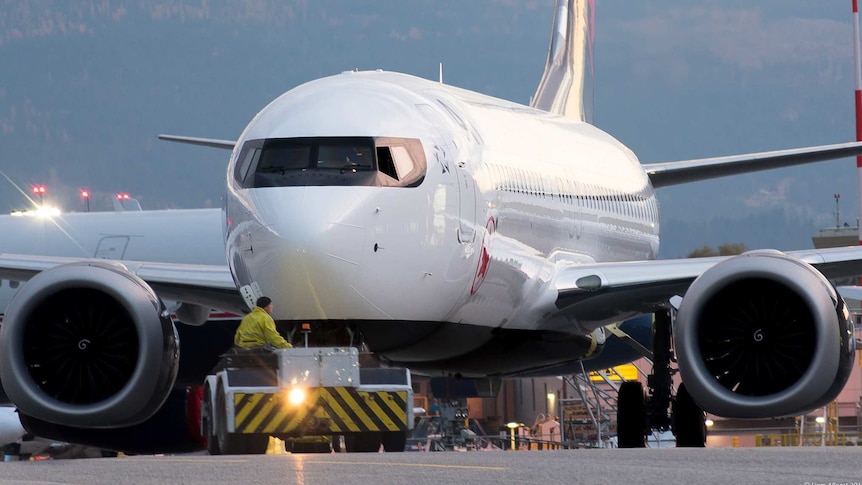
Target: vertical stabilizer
{"x": 566, "y": 87}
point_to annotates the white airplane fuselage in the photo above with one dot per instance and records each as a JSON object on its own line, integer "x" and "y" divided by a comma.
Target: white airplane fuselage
{"x": 509, "y": 192}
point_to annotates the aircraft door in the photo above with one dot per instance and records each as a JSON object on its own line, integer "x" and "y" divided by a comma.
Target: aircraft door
{"x": 466, "y": 204}
{"x": 466, "y": 186}
{"x": 112, "y": 247}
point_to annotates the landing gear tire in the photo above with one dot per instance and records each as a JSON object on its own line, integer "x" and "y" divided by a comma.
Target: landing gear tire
{"x": 311, "y": 447}
{"x": 362, "y": 442}
{"x": 235, "y": 443}
{"x": 631, "y": 416}
{"x": 394, "y": 441}
{"x": 688, "y": 423}
{"x": 209, "y": 423}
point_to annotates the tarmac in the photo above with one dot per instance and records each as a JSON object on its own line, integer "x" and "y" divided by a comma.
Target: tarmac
{"x": 802, "y": 466}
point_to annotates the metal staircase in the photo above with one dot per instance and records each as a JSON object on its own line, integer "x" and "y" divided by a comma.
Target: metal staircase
{"x": 589, "y": 418}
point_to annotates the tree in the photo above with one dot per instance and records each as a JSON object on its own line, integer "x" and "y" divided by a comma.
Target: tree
{"x": 729, "y": 249}
{"x": 725, "y": 249}
{"x": 704, "y": 252}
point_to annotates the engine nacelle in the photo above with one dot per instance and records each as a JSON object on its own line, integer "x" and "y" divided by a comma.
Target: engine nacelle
{"x": 88, "y": 345}
{"x": 763, "y": 335}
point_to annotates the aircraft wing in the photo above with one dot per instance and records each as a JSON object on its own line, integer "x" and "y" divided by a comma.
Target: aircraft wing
{"x": 209, "y": 286}
{"x": 850, "y": 292}
{"x": 205, "y": 142}
{"x": 612, "y": 292}
{"x": 673, "y": 173}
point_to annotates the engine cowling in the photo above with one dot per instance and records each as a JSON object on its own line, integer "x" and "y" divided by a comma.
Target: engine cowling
{"x": 88, "y": 345}
{"x": 763, "y": 335}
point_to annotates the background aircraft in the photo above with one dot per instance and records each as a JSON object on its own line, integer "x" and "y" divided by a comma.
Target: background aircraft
{"x": 15, "y": 441}
{"x": 195, "y": 235}
{"x": 463, "y": 234}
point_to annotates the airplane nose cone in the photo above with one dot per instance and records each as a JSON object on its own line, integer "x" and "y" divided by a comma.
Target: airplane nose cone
{"x": 314, "y": 238}
{"x": 321, "y": 228}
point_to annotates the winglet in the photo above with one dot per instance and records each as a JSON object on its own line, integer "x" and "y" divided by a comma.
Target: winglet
{"x": 566, "y": 87}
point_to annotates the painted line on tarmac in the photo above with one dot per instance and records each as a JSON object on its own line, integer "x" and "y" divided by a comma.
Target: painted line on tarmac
{"x": 420, "y": 465}
{"x": 193, "y": 460}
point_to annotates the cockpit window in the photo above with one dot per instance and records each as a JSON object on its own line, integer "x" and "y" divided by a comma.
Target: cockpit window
{"x": 337, "y": 161}
{"x": 341, "y": 156}
{"x": 403, "y": 161}
{"x": 280, "y": 158}
{"x": 385, "y": 162}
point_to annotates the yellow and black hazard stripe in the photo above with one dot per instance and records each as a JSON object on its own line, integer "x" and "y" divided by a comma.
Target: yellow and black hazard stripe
{"x": 325, "y": 410}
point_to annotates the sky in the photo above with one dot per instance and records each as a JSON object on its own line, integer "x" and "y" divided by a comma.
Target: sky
{"x": 89, "y": 85}
{"x": 702, "y": 79}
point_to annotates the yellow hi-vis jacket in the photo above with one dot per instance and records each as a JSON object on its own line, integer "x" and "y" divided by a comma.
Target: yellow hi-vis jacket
{"x": 258, "y": 328}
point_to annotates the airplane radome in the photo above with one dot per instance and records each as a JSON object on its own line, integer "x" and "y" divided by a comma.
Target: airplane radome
{"x": 448, "y": 232}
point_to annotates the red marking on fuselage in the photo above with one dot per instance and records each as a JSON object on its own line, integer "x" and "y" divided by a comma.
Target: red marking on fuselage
{"x": 484, "y": 257}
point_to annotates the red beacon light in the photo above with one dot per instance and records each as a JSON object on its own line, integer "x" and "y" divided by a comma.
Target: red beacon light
{"x": 122, "y": 196}
{"x": 85, "y": 194}
{"x": 40, "y": 191}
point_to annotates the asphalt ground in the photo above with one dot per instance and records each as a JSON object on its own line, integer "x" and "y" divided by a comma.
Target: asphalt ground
{"x": 802, "y": 466}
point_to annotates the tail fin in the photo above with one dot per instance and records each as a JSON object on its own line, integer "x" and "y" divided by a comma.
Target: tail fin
{"x": 566, "y": 87}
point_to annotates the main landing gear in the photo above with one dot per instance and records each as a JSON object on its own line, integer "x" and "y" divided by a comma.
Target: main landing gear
{"x": 639, "y": 413}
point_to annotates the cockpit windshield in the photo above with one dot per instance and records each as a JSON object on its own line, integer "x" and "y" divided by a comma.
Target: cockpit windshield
{"x": 338, "y": 161}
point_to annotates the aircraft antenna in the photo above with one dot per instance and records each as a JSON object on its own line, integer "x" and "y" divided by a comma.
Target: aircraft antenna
{"x": 441, "y": 70}
{"x": 837, "y": 211}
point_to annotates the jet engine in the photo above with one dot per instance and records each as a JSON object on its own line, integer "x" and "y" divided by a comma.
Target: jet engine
{"x": 88, "y": 345}
{"x": 763, "y": 335}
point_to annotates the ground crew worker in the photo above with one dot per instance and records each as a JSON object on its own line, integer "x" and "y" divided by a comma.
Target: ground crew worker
{"x": 257, "y": 329}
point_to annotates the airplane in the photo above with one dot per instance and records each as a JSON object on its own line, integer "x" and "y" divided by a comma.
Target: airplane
{"x": 15, "y": 442}
{"x": 452, "y": 233}
{"x": 135, "y": 235}
{"x": 195, "y": 238}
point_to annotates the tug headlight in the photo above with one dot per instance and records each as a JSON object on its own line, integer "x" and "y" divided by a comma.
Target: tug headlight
{"x": 296, "y": 396}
